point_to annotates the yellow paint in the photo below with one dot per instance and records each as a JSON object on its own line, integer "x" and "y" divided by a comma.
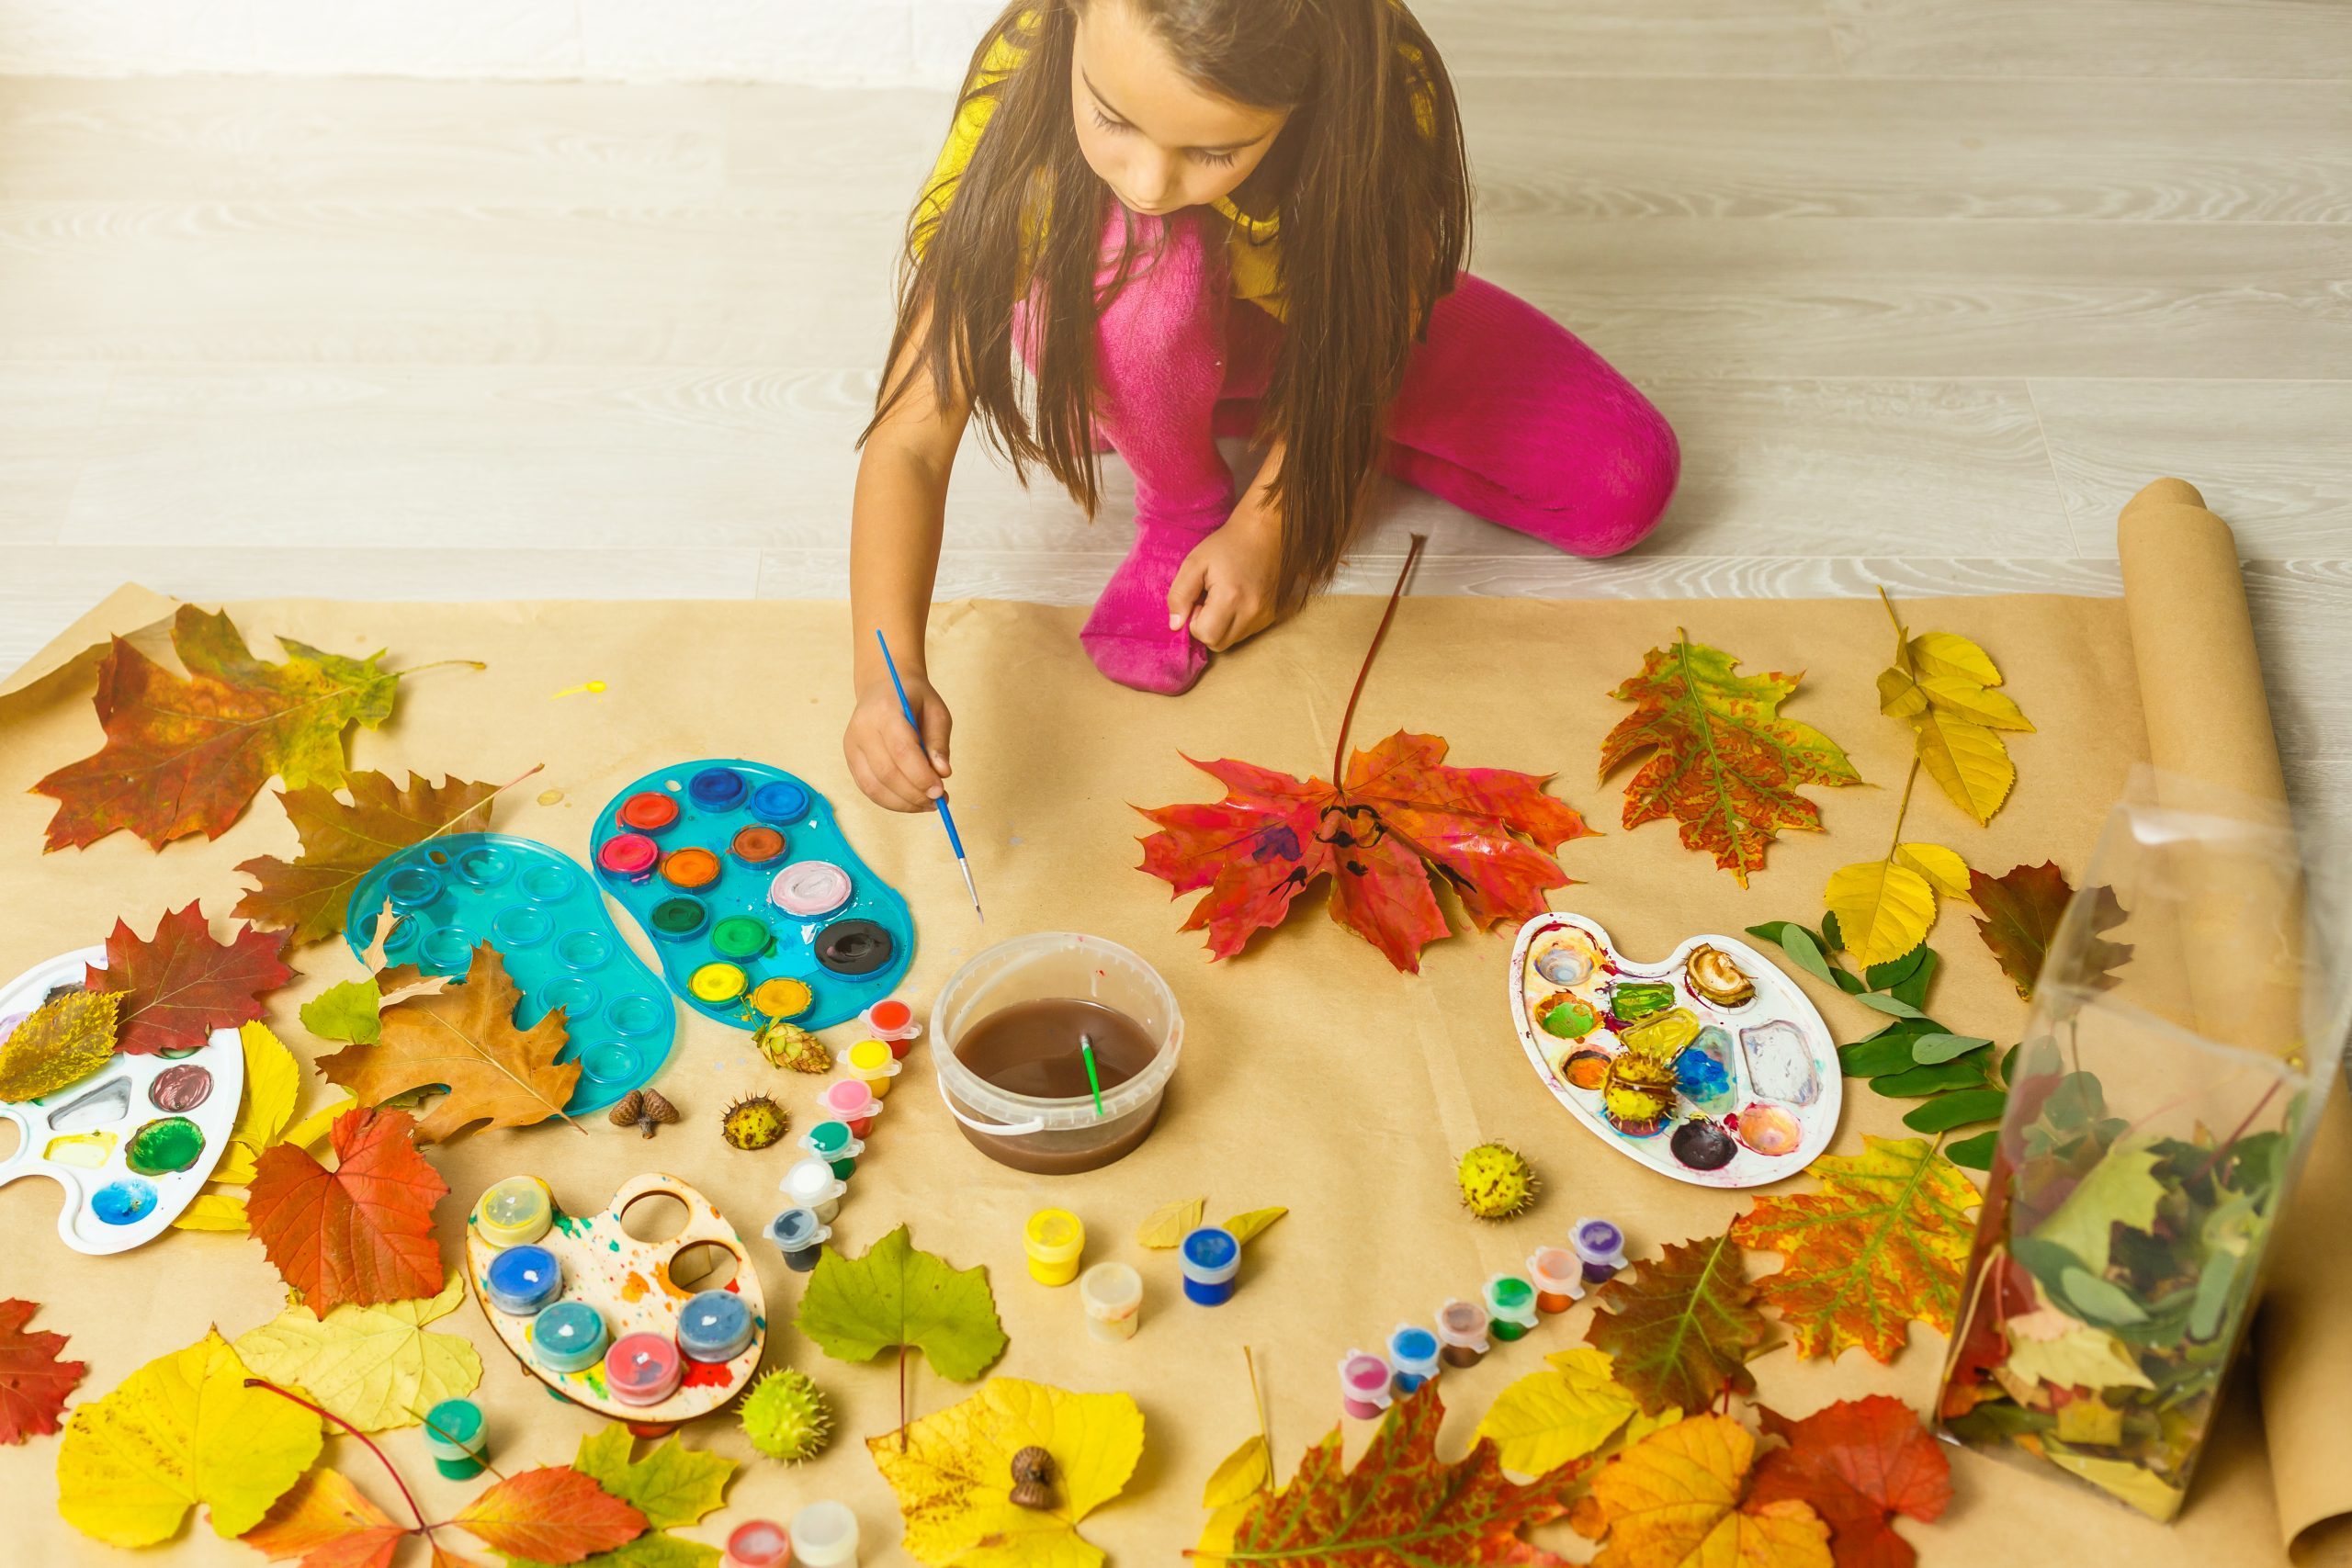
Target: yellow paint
{"x": 88, "y": 1150}
{"x": 550, "y": 797}
{"x": 591, "y": 688}
{"x": 662, "y": 1278}
{"x": 634, "y": 1287}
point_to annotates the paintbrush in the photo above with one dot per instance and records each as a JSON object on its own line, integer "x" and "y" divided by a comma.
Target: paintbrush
{"x": 947, "y": 817}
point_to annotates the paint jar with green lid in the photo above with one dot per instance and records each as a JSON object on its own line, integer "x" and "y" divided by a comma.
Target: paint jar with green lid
{"x": 1510, "y": 1306}
{"x": 453, "y": 1436}
{"x": 832, "y": 1142}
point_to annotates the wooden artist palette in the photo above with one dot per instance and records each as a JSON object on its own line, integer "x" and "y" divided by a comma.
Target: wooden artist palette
{"x": 106, "y": 1138}
{"x": 628, "y": 1281}
{"x": 1711, "y": 1067}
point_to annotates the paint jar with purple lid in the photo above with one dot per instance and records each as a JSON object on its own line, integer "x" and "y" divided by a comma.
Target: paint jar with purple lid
{"x": 1601, "y": 1246}
{"x": 1363, "y": 1385}
{"x": 1413, "y": 1353}
{"x": 1511, "y": 1304}
{"x": 1210, "y": 1257}
{"x": 1461, "y": 1333}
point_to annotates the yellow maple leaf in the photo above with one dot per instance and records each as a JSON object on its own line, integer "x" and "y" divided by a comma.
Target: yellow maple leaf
{"x": 1673, "y": 1500}
{"x": 374, "y": 1366}
{"x": 1545, "y": 1419}
{"x": 182, "y": 1431}
{"x": 953, "y": 1476}
{"x": 1166, "y": 1225}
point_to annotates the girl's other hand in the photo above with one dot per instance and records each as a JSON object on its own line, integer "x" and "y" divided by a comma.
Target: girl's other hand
{"x": 885, "y": 760}
{"x": 1228, "y": 585}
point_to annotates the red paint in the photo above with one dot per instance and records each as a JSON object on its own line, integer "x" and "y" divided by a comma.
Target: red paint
{"x": 647, "y": 812}
{"x": 627, "y": 854}
{"x": 892, "y": 1014}
{"x": 706, "y": 1374}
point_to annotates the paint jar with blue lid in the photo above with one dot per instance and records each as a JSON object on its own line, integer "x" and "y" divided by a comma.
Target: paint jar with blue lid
{"x": 453, "y": 1436}
{"x": 1412, "y": 1351}
{"x": 1210, "y": 1257}
{"x": 567, "y": 1337}
{"x": 779, "y": 803}
{"x": 714, "y": 1327}
{"x": 522, "y": 1279}
{"x": 716, "y": 789}
{"x": 801, "y": 1236}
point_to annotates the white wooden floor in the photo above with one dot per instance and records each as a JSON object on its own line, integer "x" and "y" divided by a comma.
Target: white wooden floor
{"x": 1927, "y": 287}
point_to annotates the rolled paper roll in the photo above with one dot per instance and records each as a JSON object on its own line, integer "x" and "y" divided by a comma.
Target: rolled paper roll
{"x": 714, "y": 1327}
{"x": 513, "y": 1213}
{"x": 453, "y": 1436}
{"x": 1054, "y": 1238}
{"x": 824, "y": 1535}
{"x": 522, "y": 1279}
{"x": 643, "y": 1369}
{"x": 1413, "y": 1352}
{"x": 569, "y": 1337}
{"x": 1363, "y": 1385}
{"x": 1112, "y": 1295}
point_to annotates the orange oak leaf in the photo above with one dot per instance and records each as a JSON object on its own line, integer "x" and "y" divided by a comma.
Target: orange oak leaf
{"x": 1857, "y": 1463}
{"x": 552, "y": 1514}
{"x": 179, "y": 985}
{"x": 1400, "y": 1505}
{"x": 2022, "y": 907}
{"x": 463, "y": 1037}
{"x": 1682, "y": 1328}
{"x": 362, "y": 1231}
{"x": 1722, "y": 762}
{"x": 1400, "y": 822}
{"x": 342, "y": 843}
{"x": 1675, "y": 1500}
{"x": 327, "y": 1522}
{"x": 187, "y": 753}
{"x": 33, "y": 1381}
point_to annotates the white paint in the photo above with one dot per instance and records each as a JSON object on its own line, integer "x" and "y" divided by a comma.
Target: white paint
{"x": 822, "y": 43}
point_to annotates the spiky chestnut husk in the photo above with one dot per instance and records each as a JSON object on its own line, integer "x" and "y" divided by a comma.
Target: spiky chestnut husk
{"x": 1496, "y": 1182}
{"x": 786, "y": 1045}
{"x": 754, "y": 1122}
{"x": 787, "y": 1417}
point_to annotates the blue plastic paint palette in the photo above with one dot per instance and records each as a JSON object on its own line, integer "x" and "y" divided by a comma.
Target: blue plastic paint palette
{"x": 759, "y": 907}
{"x": 538, "y": 908}
{"x": 93, "y": 1137}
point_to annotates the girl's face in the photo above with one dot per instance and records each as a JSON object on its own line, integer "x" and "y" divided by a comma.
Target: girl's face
{"x": 1156, "y": 137}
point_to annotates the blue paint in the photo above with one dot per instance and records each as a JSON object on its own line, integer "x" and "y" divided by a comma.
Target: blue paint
{"x": 1413, "y": 1351}
{"x": 124, "y": 1202}
{"x": 1211, "y": 1260}
{"x": 522, "y": 1279}
{"x": 714, "y": 1326}
{"x": 780, "y": 802}
{"x": 569, "y": 1337}
{"x": 715, "y": 788}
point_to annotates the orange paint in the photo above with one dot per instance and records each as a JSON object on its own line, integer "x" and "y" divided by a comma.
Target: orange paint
{"x": 691, "y": 868}
{"x": 662, "y": 1278}
{"x": 634, "y": 1287}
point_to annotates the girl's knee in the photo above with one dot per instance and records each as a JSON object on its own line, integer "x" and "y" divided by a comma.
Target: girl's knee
{"x": 1633, "y": 477}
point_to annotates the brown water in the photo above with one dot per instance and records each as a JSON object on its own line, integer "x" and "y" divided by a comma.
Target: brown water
{"x": 1031, "y": 1048}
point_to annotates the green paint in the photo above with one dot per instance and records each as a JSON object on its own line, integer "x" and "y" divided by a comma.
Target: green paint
{"x": 739, "y": 936}
{"x": 678, "y": 917}
{"x": 162, "y": 1147}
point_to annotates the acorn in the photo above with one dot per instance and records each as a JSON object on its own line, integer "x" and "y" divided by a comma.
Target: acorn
{"x": 754, "y": 1122}
{"x": 644, "y": 1109}
{"x": 1496, "y": 1181}
{"x": 1032, "y": 1478}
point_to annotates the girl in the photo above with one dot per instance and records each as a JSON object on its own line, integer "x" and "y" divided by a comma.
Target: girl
{"x": 1160, "y": 220}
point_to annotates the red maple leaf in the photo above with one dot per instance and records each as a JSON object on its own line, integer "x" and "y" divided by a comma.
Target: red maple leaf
{"x": 1858, "y": 1462}
{"x": 553, "y": 1513}
{"x": 180, "y": 985}
{"x": 327, "y": 1522}
{"x": 362, "y": 1231}
{"x": 33, "y": 1381}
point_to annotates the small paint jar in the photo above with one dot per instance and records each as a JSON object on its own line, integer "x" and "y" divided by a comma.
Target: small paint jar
{"x": 801, "y": 1236}
{"x": 1210, "y": 1257}
{"x": 716, "y": 789}
{"x": 850, "y": 1101}
{"x": 893, "y": 1021}
{"x": 513, "y": 1213}
{"x": 522, "y": 1279}
{"x": 757, "y": 1544}
{"x": 741, "y": 938}
{"x": 1602, "y": 1248}
{"x": 832, "y": 1142}
{"x": 691, "y": 868}
{"x": 716, "y": 984}
{"x": 1412, "y": 1351}
{"x": 643, "y": 1369}
{"x": 630, "y": 856}
{"x": 824, "y": 1535}
{"x": 648, "y": 811}
{"x": 757, "y": 846}
{"x": 1510, "y": 1302}
{"x": 809, "y": 889}
{"x": 714, "y": 1327}
{"x": 1461, "y": 1333}
{"x": 454, "y": 1436}
{"x": 1363, "y": 1385}
{"x": 567, "y": 1337}
{"x": 681, "y": 919}
{"x": 782, "y": 997}
{"x": 779, "y": 802}
{"x": 810, "y": 1184}
{"x": 1112, "y": 1295}
{"x": 1558, "y": 1277}
{"x": 1055, "y": 1239}
{"x": 870, "y": 1062}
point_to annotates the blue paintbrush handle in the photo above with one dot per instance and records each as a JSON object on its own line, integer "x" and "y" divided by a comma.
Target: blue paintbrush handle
{"x": 947, "y": 817}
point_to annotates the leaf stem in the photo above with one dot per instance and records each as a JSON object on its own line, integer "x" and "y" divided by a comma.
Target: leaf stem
{"x": 437, "y": 664}
{"x": 406, "y": 1495}
{"x": 1339, "y": 753}
{"x": 1903, "y": 810}
{"x": 1257, "y": 1405}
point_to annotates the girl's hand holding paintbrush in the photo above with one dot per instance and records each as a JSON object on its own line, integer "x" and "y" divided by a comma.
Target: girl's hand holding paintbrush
{"x": 884, "y": 757}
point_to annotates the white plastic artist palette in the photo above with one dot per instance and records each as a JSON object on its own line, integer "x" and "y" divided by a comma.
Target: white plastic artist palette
{"x": 132, "y": 1142}
{"x": 1711, "y": 1067}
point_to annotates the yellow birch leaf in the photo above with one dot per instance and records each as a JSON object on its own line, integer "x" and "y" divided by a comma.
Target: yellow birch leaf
{"x": 1673, "y": 1501}
{"x": 1952, "y": 655}
{"x": 182, "y": 1431}
{"x": 1969, "y": 762}
{"x": 1248, "y": 1227}
{"x": 954, "y": 1474}
{"x": 1545, "y": 1419}
{"x": 1972, "y": 704}
{"x": 1883, "y": 910}
{"x": 1943, "y": 868}
{"x": 1243, "y": 1474}
{"x": 374, "y": 1366}
{"x": 214, "y": 1211}
{"x": 273, "y": 1080}
{"x": 1166, "y": 1225}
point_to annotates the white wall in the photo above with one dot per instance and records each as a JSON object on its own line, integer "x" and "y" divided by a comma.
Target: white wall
{"x": 818, "y": 41}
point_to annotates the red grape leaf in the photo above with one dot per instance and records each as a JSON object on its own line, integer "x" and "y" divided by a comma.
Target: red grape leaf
{"x": 33, "y": 1381}
{"x": 552, "y": 1514}
{"x": 2022, "y": 907}
{"x": 1400, "y": 1506}
{"x": 1858, "y": 1463}
{"x": 464, "y": 1038}
{"x": 342, "y": 843}
{"x": 1684, "y": 1326}
{"x": 327, "y": 1522}
{"x": 180, "y": 985}
{"x": 1403, "y": 820}
{"x": 1722, "y": 762}
{"x": 187, "y": 753}
{"x": 362, "y": 1231}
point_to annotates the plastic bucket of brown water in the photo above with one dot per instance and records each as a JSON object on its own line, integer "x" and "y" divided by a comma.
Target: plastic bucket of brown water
{"x": 1005, "y": 1035}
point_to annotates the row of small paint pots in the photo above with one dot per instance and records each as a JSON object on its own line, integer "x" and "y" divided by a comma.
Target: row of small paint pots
{"x": 816, "y": 1184}
{"x": 1556, "y": 1278}
{"x": 822, "y": 1535}
{"x": 526, "y": 1279}
{"x": 1111, "y": 1293}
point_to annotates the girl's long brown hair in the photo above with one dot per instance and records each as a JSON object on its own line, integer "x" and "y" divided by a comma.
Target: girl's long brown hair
{"x": 1372, "y": 191}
